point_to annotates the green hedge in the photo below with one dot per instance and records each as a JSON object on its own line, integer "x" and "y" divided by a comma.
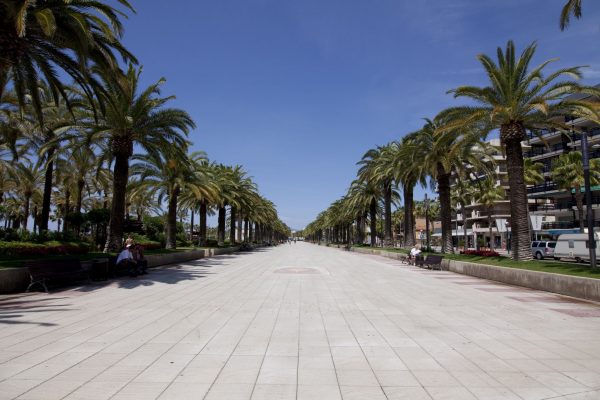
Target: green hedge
{"x": 42, "y": 249}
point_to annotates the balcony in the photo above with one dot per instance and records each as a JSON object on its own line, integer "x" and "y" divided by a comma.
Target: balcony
{"x": 566, "y": 225}
{"x": 541, "y": 150}
{"x": 547, "y": 187}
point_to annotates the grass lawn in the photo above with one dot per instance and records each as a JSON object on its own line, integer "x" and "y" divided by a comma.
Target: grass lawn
{"x": 556, "y": 267}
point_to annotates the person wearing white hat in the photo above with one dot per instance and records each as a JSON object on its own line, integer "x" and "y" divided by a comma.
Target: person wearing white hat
{"x": 125, "y": 260}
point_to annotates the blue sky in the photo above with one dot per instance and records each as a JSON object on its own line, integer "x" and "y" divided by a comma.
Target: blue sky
{"x": 297, "y": 91}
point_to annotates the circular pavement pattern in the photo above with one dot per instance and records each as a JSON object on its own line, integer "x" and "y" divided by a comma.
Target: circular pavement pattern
{"x": 296, "y": 270}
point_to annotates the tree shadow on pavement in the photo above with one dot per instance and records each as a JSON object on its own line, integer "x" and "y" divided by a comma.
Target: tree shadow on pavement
{"x": 13, "y": 310}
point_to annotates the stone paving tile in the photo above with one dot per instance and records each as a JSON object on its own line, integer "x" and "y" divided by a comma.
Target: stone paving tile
{"x": 298, "y": 322}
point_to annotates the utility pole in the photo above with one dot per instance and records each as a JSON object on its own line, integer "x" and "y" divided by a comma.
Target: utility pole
{"x": 427, "y": 220}
{"x": 588, "y": 198}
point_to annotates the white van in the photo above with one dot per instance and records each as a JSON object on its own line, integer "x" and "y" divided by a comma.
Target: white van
{"x": 573, "y": 246}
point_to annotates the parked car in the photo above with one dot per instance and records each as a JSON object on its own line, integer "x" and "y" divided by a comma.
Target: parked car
{"x": 574, "y": 246}
{"x": 542, "y": 248}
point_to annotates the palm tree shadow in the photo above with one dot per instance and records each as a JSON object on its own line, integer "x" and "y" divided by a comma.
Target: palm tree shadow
{"x": 13, "y": 311}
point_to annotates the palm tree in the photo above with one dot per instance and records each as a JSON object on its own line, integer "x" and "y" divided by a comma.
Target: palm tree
{"x": 168, "y": 175}
{"x": 572, "y": 7}
{"x": 567, "y": 172}
{"x": 38, "y": 36}
{"x": 241, "y": 198}
{"x": 409, "y": 173}
{"x": 519, "y": 99}
{"x": 487, "y": 195}
{"x": 377, "y": 166}
{"x": 365, "y": 196}
{"x": 532, "y": 172}
{"x": 27, "y": 177}
{"x": 440, "y": 153}
{"x": 205, "y": 192}
{"x": 134, "y": 117}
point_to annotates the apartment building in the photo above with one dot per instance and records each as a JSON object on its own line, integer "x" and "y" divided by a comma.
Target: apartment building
{"x": 554, "y": 205}
{"x": 478, "y": 217}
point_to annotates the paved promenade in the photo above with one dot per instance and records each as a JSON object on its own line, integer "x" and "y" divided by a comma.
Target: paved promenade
{"x": 298, "y": 322}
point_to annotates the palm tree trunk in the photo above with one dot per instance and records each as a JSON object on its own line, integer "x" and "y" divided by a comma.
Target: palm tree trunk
{"x": 360, "y": 235}
{"x": 240, "y": 224}
{"x": 221, "y": 226}
{"x": 388, "y": 215}
{"x": 67, "y": 210}
{"x": 466, "y": 237}
{"x": 114, "y": 240}
{"x": 443, "y": 181}
{"x": 192, "y": 225}
{"x": 250, "y": 232}
{"x": 202, "y": 238}
{"x": 35, "y": 219}
{"x": 171, "y": 239}
{"x": 490, "y": 227}
{"x": 519, "y": 225}
{"x": 80, "y": 186}
{"x": 232, "y": 226}
{"x": 246, "y": 228}
{"x": 47, "y": 195}
{"x": 26, "y": 211}
{"x": 579, "y": 202}
{"x": 409, "y": 220}
{"x": 373, "y": 216}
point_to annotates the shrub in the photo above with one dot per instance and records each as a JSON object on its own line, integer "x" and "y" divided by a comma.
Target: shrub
{"x": 42, "y": 249}
{"x": 146, "y": 242}
{"x": 154, "y": 228}
{"x": 480, "y": 253}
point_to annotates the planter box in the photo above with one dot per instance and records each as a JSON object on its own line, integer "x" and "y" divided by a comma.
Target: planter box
{"x": 574, "y": 286}
{"x": 16, "y": 279}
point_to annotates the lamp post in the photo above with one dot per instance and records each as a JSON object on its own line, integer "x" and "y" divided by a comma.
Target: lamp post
{"x": 588, "y": 198}
{"x": 427, "y": 220}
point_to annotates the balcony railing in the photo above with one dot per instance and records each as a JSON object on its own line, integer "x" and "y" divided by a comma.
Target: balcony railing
{"x": 541, "y": 150}
{"x": 542, "y": 188}
{"x": 566, "y": 225}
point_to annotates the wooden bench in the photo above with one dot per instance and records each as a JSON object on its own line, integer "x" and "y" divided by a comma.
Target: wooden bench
{"x": 434, "y": 262}
{"x": 419, "y": 260}
{"x": 43, "y": 271}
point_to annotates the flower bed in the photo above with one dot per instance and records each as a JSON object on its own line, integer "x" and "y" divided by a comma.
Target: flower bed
{"x": 480, "y": 253}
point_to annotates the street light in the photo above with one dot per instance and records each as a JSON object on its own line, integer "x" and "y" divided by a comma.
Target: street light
{"x": 588, "y": 198}
{"x": 427, "y": 220}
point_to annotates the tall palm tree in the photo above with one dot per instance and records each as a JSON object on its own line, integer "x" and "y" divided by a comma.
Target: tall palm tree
{"x": 38, "y": 36}
{"x": 567, "y": 172}
{"x": 377, "y": 166}
{"x": 365, "y": 196}
{"x": 205, "y": 191}
{"x": 518, "y": 99}
{"x": 571, "y": 8}
{"x": 440, "y": 153}
{"x": 168, "y": 174}
{"x": 134, "y": 117}
{"x": 409, "y": 173}
{"x": 28, "y": 178}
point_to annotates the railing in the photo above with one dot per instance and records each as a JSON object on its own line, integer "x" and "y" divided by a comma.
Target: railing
{"x": 567, "y": 225}
{"x": 541, "y": 150}
{"x": 542, "y": 188}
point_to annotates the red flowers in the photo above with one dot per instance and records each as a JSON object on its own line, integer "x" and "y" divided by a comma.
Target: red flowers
{"x": 480, "y": 253}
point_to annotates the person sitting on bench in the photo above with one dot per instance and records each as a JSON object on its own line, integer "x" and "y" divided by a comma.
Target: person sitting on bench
{"x": 125, "y": 260}
{"x": 140, "y": 260}
{"x": 414, "y": 252}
